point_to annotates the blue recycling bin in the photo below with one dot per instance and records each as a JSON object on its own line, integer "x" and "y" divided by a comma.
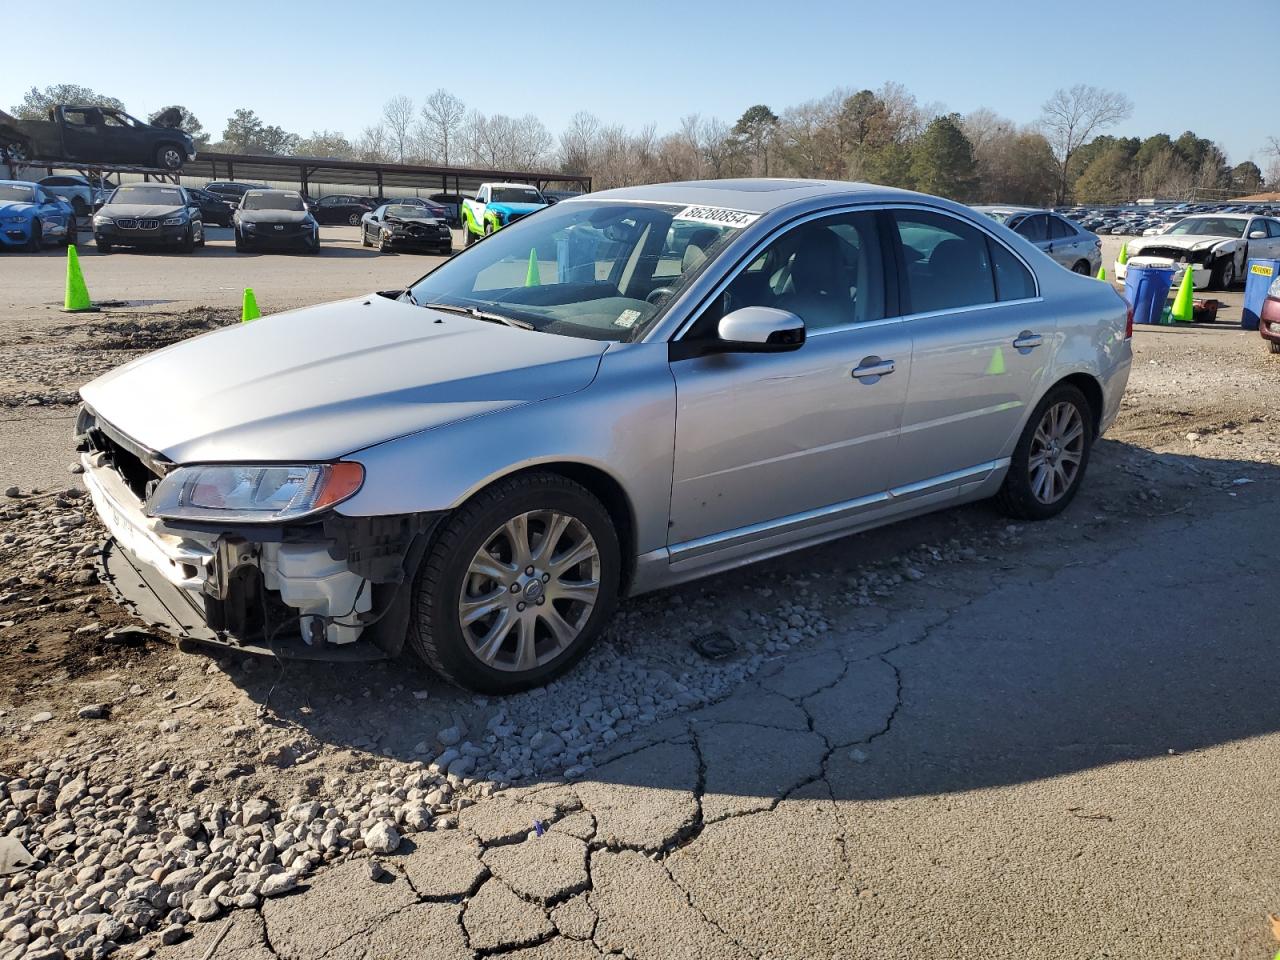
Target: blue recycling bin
{"x": 1146, "y": 289}
{"x": 1258, "y": 277}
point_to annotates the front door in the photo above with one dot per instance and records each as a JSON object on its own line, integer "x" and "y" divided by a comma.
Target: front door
{"x": 761, "y": 438}
{"x": 981, "y": 347}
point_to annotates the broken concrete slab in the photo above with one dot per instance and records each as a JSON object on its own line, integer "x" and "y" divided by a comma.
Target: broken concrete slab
{"x": 445, "y": 865}
{"x": 547, "y": 868}
{"x": 497, "y": 919}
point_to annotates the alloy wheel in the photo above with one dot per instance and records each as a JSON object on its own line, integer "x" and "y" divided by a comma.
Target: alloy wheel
{"x": 1057, "y": 450}
{"x": 529, "y": 590}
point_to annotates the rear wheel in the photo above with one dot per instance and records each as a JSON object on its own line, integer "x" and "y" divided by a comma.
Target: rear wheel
{"x": 516, "y": 585}
{"x": 354, "y": 219}
{"x": 1049, "y": 461}
{"x": 1081, "y": 267}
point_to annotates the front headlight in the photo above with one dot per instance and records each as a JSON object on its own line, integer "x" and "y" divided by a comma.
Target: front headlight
{"x": 253, "y": 494}
{"x": 15, "y": 219}
{"x": 175, "y": 221}
{"x": 248, "y": 225}
{"x": 100, "y": 221}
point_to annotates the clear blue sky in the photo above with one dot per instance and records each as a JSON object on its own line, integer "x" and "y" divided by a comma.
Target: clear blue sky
{"x": 317, "y": 65}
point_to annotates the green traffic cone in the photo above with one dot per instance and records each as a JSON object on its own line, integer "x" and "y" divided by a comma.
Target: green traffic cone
{"x": 995, "y": 367}
{"x": 1183, "y": 307}
{"x": 76, "y": 299}
{"x": 249, "y": 308}
{"x": 532, "y": 277}
{"x": 1124, "y": 253}
{"x": 1102, "y": 273}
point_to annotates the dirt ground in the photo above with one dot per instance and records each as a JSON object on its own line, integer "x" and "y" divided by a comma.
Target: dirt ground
{"x": 1200, "y": 425}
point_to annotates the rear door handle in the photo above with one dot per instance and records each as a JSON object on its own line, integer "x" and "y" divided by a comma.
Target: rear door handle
{"x": 873, "y": 368}
{"x": 1026, "y": 340}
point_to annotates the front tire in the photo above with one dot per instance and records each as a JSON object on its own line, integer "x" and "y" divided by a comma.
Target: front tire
{"x": 188, "y": 244}
{"x": 516, "y": 585}
{"x": 364, "y": 237}
{"x": 1274, "y": 345}
{"x": 169, "y": 157}
{"x": 70, "y": 239}
{"x": 1224, "y": 273}
{"x": 1049, "y": 462}
{"x": 104, "y": 246}
{"x": 36, "y": 240}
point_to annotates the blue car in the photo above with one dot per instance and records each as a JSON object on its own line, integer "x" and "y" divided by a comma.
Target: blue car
{"x": 30, "y": 216}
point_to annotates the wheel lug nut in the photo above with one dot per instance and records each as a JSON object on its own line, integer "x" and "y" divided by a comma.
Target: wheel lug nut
{"x": 528, "y": 571}
{"x": 541, "y": 601}
{"x": 515, "y": 588}
{"x": 520, "y": 606}
{"x": 546, "y": 578}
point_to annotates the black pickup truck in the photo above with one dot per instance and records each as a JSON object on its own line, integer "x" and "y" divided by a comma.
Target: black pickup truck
{"x": 98, "y": 135}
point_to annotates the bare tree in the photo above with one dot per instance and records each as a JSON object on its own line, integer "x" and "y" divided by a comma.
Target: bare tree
{"x": 1071, "y": 117}
{"x": 397, "y": 114}
{"x": 578, "y": 142}
{"x": 442, "y": 116}
{"x": 372, "y": 144}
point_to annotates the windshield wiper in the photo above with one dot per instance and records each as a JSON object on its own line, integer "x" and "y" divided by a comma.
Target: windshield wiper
{"x": 479, "y": 314}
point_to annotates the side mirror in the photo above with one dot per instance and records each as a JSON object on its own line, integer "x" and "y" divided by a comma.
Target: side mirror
{"x": 761, "y": 330}
{"x": 1257, "y": 234}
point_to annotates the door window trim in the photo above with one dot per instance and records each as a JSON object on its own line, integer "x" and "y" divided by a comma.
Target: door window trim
{"x": 893, "y": 282}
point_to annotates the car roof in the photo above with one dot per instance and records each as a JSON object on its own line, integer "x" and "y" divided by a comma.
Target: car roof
{"x": 756, "y": 195}
{"x": 1218, "y": 216}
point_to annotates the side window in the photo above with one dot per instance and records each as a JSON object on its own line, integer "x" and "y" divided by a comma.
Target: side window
{"x": 1013, "y": 279}
{"x": 327, "y": 202}
{"x": 947, "y": 262}
{"x": 827, "y": 272}
{"x": 79, "y": 118}
{"x": 1035, "y": 228}
{"x": 1059, "y": 229}
{"x": 1273, "y": 228}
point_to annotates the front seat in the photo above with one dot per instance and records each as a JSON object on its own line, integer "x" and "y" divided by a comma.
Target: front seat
{"x": 819, "y": 282}
{"x": 695, "y": 251}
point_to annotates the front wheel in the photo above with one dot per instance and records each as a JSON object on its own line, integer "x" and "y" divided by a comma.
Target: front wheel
{"x": 516, "y": 585}
{"x": 169, "y": 157}
{"x": 1224, "y": 273}
{"x": 1274, "y": 345}
{"x": 188, "y": 244}
{"x": 104, "y": 246}
{"x": 364, "y": 237}
{"x": 70, "y": 239}
{"x": 36, "y": 240}
{"x": 1049, "y": 462}
{"x": 467, "y": 238}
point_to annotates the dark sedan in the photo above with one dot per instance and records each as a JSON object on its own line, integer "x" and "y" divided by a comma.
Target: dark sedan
{"x": 401, "y": 225}
{"x": 342, "y": 208}
{"x": 275, "y": 218}
{"x": 149, "y": 215}
{"x": 213, "y": 209}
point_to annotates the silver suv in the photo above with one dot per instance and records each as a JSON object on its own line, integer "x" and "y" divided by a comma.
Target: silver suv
{"x": 622, "y": 392}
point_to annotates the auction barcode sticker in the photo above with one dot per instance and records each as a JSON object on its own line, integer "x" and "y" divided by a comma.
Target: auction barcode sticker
{"x": 720, "y": 216}
{"x": 1261, "y": 269}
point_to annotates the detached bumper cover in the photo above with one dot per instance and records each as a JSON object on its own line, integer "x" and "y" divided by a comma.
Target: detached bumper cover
{"x": 1201, "y": 276}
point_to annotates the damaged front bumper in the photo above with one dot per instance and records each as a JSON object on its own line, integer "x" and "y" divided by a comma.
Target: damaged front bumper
{"x": 1201, "y": 274}
{"x": 307, "y": 589}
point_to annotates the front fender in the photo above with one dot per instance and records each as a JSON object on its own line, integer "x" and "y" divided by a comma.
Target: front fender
{"x": 622, "y": 424}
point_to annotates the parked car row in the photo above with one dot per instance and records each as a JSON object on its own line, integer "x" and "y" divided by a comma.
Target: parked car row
{"x": 1151, "y": 219}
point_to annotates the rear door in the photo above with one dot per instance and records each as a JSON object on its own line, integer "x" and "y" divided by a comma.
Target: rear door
{"x": 1068, "y": 245}
{"x": 982, "y": 341}
{"x": 1035, "y": 228}
{"x": 762, "y": 438}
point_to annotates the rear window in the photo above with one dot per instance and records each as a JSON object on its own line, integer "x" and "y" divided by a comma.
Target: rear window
{"x": 948, "y": 263}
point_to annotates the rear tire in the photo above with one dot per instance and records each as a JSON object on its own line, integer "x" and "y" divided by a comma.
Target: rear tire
{"x": 354, "y": 219}
{"x": 1082, "y": 268}
{"x": 467, "y": 537}
{"x": 1042, "y": 450}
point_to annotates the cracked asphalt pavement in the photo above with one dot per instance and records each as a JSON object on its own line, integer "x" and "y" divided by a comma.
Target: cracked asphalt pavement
{"x": 1064, "y": 754}
{"x": 1053, "y": 740}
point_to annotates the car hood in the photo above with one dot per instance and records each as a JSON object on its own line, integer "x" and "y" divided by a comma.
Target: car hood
{"x": 515, "y": 207}
{"x": 325, "y": 381}
{"x": 151, "y": 211}
{"x": 426, "y": 219}
{"x": 1177, "y": 242}
{"x": 16, "y": 208}
{"x": 272, "y": 216}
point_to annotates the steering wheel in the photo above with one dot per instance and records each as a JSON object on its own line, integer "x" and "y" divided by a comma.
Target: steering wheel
{"x": 657, "y": 294}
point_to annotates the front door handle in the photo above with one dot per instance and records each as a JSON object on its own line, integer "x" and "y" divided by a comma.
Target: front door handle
{"x": 1027, "y": 340}
{"x": 872, "y": 369}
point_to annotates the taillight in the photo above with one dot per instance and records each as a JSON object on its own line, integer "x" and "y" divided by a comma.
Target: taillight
{"x": 1128, "y": 323}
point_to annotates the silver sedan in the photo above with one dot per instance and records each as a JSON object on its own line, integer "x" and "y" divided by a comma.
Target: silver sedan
{"x": 621, "y": 392}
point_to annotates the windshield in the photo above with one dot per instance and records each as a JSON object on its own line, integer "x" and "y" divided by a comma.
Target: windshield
{"x": 14, "y": 191}
{"x": 407, "y": 210}
{"x": 591, "y": 269}
{"x": 168, "y": 196}
{"x": 516, "y": 195}
{"x": 1208, "y": 227}
{"x": 272, "y": 201}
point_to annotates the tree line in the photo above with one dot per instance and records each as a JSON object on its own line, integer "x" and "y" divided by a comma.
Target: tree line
{"x": 882, "y": 136}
